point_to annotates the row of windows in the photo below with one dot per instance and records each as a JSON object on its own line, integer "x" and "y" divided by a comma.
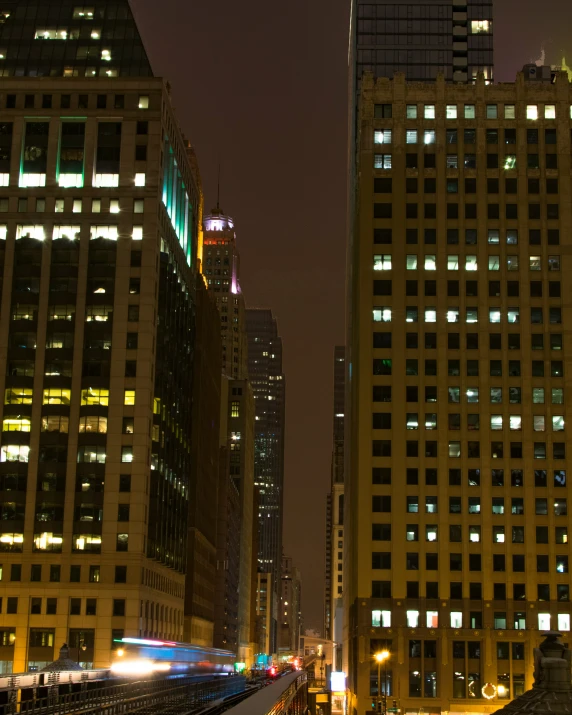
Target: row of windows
{"x": 492, "y": 136}
{"x": 470, "y": 315}
{"x": 382, "y": 532}
{"x": 385, "y": 211}
{"x": 383, "y": 503}
{"x": 382, "y": 475}
{"x": 382, "y": 421}
{"x": 62, "y": 396}
{"x": 382, "y": 448}
{"x": 475, "y": 560}
{"x": 384, "y": 366}
{"x": 384, "y": 314}
{"x": 382, "y": 589}
{"x": 384, "y": 262}
{"x": 68, "y": 101}
{"x": 469, "y": 161}
{"x": 51, "y": 542}
{"x": 496, "y": 340}
{"x": 382, "y": 619}
{"x": 86, "y": 454}
{"x": 45, "y": 638}
{"x": 469, "y": 111}
{"x": 385, "y": 236}
{"x": 60, "y": 340}
{"x": 41, "y": 205}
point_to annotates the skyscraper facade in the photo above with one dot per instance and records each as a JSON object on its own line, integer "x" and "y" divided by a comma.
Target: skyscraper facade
{"x": 423, "y": 38}
{"x": 98, "y": 237}
{"x": 268, "y": 384}
{"x": 457, "y": 553}
{"x": 290, "y": 608}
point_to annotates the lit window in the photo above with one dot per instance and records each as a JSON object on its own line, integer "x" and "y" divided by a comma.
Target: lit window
{"x": 140, "y": 179}
{"x": 470, "y": 263}
{"x": 382, "y": 161}
{"x": 16, "y": 424}
{"x": 496, "y": 422}
{"x": 473, "y": 394}
{"x": 114, "y": 206}
{"x": 382, "y": 315}
{"x": 494, "y": 236}
{"x": 50, "y": 34}
{"x": 432, "y": 619}
{"x": 18, "y": 396}
{"x": 429, "y": 136}
{"x": 509, "y": 111}
{"x": 535, "y": 263}
{"x": 127, "y": 454}
{"x": 59, "y": 206}
{"x": 513, "y": 315}
{"x": 451, "y": 111}
{"x": 474, "y": 534}
{"x": 544, "y": 621}
{"x": 95, "y": 34}
{"x": 96, "y": 206}
{"x": 4, "y": 179}
{"x": 549, "y": 111}
{"x": 411, "y": 262}
{"x": 28, "y": 181}
{"x": 479, "y": 27}
{"x": 558, "y": 423}
{"x": 412, "y": 619}
{"x": 431, "y": 532}
{"x": 56, "y": 396}
{"x": 456, "y": 619}
{"x": 494, "y": 263}
{"x": 61, "y": 312}
{"x": 452, "y": 262}
{"x": 55, "y": 423}
{"x": 412, "y": 420}
{"x": 470, "y": 111}
{"x": 491, "y": 111}
{"x": 515, "y": 422}
{"x": 137, "y": 234}
{"x": 104, "y": 232}
{"x": 510, "y": 161}
{"x": 532, "y": 111}
{"x": 429, "y": 111}
{"x": 382, "y": 136}
{"x": 472, "y": 315}
{"x": 382, "y": 262}
{"x": 11, "y": 542}
{"x": 557, "y": 396}
{"x": 129, "y": 398}
{"x": 106, "y": 180}
{"x": 143, "y": 101}
{"x": 98, "y": 313}
{"x": 3, "y": 232}
{"x": 30, "y": 232}
{"x": 563, "y": 621}
{"x": 95, "y": 396}
{"x": 87, "y": 542}
{"x": 411, "y": 136}
{"x": 71, "y": 232}
{"x": 70, "y": 181}
{"x": 47, "y": 541}
{"x": 453, "y": 315}
{"x": 430, "y": 315}
{"x": 14, "y": 453}
{"x": 235, "y": 409}
{"x": 83, "y": 13}
{"x": 430, "y": 263}
{"x": 411, "y": 111}
{"x": 77, "y": 206}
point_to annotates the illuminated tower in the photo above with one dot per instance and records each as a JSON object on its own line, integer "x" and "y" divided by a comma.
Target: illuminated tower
{"x": 221, "y": 268}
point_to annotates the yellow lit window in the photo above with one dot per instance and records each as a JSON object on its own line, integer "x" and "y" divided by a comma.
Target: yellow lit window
{"x": 56, "y": 396}
{"x": 93, "y": 424}
{"x": 129, "y": 397}
{"x": 235, "y": 409}
{"x": 532, "y": 111}
{"x": 95, "y": 396}
{"x": 156, "y": 405}
{"x": 479, "y": 27}
{"x": 18, "y": 396}
{"x": 16, "y": 424}
{"x": 55, "y": 423}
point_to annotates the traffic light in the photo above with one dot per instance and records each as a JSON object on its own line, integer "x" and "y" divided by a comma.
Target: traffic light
{"x": 395, "y": 703}
{"x": 380, "y": 707}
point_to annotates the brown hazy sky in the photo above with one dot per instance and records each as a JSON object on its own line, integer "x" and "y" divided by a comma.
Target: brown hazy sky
{"x": 261, "y": 87}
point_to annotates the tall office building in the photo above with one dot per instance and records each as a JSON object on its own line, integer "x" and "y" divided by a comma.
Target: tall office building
{"x": 333, "y": 614}
{"x": 422, "y": 38}
{"x": 221, "y": 268}
{"x": 457, "y": 553}
{"x": 99, "y": 219}
{"x": 268, "y": 384}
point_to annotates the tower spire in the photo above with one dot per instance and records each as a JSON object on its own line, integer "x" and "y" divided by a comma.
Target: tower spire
{"x": 218, "y": 188}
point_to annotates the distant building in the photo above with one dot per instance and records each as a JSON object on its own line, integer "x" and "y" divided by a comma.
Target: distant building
{"x": 290, "y": 608}
{"x": 268, "y": 384}
{"x": 335, "y": 510}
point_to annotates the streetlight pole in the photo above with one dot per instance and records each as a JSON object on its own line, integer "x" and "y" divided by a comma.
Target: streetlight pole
{"x": 382, "y": 657}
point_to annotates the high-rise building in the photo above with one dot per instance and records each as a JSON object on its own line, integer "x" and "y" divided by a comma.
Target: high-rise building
{"x": 422, "y": 38}
{"x": 290, "y": 608}
{"x": 99, "y": 220}
{"x": 221, "y": 268}
{"x": 268, "y": 384}
{"x": 333, "y": 614}
{"x": 457, "y": 553}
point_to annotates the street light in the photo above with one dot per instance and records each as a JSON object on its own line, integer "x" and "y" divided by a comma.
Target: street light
{"x": 382, "y": 657}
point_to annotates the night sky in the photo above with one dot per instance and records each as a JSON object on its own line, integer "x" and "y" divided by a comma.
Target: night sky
{"x": 261, "y": 88}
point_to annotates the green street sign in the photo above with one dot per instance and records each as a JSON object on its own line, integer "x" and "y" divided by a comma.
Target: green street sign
{"x": 392, "y": 710}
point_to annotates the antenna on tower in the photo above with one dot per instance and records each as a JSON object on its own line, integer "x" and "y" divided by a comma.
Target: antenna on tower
{"x": 218, "y": 188}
